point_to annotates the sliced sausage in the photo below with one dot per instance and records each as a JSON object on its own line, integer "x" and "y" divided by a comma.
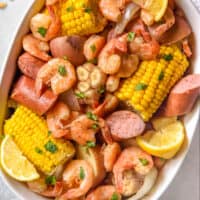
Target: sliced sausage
{"x": 29, "y": 65}
{"x": 125, "y": 124}
{"x": 24, "y": 93}
{"x": 183, "y": 96}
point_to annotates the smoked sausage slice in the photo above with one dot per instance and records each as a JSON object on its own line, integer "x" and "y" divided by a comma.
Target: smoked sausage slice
{"x": 29, "y": 65}
{"x": 183, "y": 96}
{"x": 24, "y": 93}
{"x": 125, "y": 124}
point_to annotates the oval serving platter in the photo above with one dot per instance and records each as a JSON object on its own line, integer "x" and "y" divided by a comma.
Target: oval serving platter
{"x": 191, "y": 121}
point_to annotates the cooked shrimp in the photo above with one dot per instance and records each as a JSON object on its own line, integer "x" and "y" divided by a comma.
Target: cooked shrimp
{"x": 51, "y": 2}
{"x": 158, "y": 30}
{"x": 111, "y": 152}
{"x": 131, "y": 158}
{"x": 57, "y": 73}
{"x": 45, "y": 27}
{"x": 39, "y": 186}
{"x": 112, "y": 9}
{"x": 93, "y": 46}
{"x": 186, "y": 48}
{"x": 36, "y": 47}
{"x": 78, "y": 179}
{"x": 104, "y": 192}
{"x": 57, "y": 118}
{"x": 109, "y": 58}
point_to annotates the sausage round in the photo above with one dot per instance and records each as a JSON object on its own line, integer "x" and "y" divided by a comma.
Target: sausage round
{"x": 29, "y": 65}
{"x": 24, "y": 93}
{"x": 183, "y": 96}
{"x": 125, "y": 124}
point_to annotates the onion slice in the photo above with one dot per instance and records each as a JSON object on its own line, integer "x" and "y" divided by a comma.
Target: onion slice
{"x": 129, "y": 13}
{"x": 149, "y": 182}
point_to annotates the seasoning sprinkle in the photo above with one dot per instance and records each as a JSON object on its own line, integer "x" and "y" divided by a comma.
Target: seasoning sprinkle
{"x": 114, "y": 196}
{"x": 42, "y": 31}
{"x": 50, "y": 180}
{"x": 161, "y": 76}
{"x": 62, "y": 71}
{"x": 144, "y": 161}
{"x": 82, "y": 173}
{"x": 91, "y": 116}
{"x": 80, "y": 95}
{"x": 90, "y": 144}
{"x": 131, "y": 36}
{"x": 140, "y": 86}
{"x": 168, "y": 57}
{"x": 51, "y": 147}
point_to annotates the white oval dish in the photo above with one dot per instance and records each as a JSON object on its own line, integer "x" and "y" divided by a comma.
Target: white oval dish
{"x": 191, "y": 120}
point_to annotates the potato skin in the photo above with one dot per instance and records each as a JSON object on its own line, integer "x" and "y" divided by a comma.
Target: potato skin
{"x": 69, "y": 46}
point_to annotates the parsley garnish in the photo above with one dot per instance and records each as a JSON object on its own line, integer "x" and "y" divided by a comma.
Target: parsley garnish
{"x": 101, "y": 90}
{"x": 168, "y": 57}
{"x": 62, "y": 71}
{"x": 80, "y": 95}
{"x": 69, "y": 9}
{"x": 114, "y": 196}
{"x": 93, "y": 61}
{"x": 131, "y": 36}
{"x": 82, "y": 173}
{"x": 42, "y": 31}
{"x": 95, "y": 126}
{"x": 49, "y": 133}
{"x": 140, "y": 86}
{"x": 144, "y": 161}
{"x": 161, "y": 76}
{"x": 90, "y": 144}
{"x": 51, "y": 147}
{"x": 50, "y": 180}
{"x": 93, "y": 48}
{"x": 91, "y": 116}
{"x": 38, "y": 150}
{"x": 88, "y": 10}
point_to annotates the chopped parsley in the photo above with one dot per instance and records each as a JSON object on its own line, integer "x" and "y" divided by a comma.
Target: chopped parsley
{"x": 81, "y": 173}
{"x": 69, "y": 9}
{"x": 101, "y": 90}
{"x": 140, "y": 86}
{"x": 144, "y": 161}
{"x": 131, "y": 36}
{"x": 51, "y": 147}
{"x": 168, "y": 57}
{"x": 90, "y": 144}
{"x": 93, "y": 61}
{"x": 62, "y": 71}
{"x": 49, "y": 133}
{"x": 42, "y": 31}
{"x": 161, "y": 76}
{"x": 93, "y": 48}
{"x": 38, "y": 150}
{"x": 114, "y": 196}
{"x": 95, "y": 126}
{"x": 50, "y": 180}
{"x": 80, "y": 95}
{"x": 88, "y": 10}
{"x": 91, "y": 116}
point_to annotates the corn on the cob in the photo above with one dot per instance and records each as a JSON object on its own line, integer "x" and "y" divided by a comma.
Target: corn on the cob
{"x": 149, "y": 86}
{"x": 81, "y": 17}
{"x": 30, "y": 133}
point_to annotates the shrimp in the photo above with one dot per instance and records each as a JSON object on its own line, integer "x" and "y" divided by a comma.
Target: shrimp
{"x": 57, "y": 118}
{"x": 51, "y": 2}
{"x": 45, "y": 27}
{"x": 36, "y": 47}
{"x": 39, "y": 186}
{"x": 93, "y": 46}
{"x": 78, "y": 179}
{"x": 58, "y": 73}
{"x": 131, "y": 158}
{"x": 111, "y": 152}
{"x": 186, "y": 48}
{"x": 109, "y": 59}
{"x": 143, "y": 45}
{"x": 112, "y": 9}
{"x": 104, "y": 192}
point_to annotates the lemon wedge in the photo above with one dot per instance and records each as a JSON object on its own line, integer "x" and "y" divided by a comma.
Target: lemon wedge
{"x": 14, "y": 163}
{"x": 156, "y": 8}
{"x": 164, "y": 143}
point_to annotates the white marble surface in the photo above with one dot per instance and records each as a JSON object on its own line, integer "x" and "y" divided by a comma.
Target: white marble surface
{"x": 186, "y": 184}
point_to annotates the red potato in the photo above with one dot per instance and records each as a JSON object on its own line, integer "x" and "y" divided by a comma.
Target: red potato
{"x": 24, "y": 93}
{"x": 69, "y": 46}
{"x": 125, "y": 124}
{"x": 183, "y": 96}
{"x": 29, "y": 65}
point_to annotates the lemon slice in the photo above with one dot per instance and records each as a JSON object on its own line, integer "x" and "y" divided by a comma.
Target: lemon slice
{"x": 164, "y": 143}
{"x": 156, "y": 8}
{"x": 14, "y": 163}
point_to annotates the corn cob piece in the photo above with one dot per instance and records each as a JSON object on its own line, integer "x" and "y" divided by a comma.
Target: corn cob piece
{"x": 81, "y": 17}
{"x": 147, "y": 88}
{"x": 30, "y": 133}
